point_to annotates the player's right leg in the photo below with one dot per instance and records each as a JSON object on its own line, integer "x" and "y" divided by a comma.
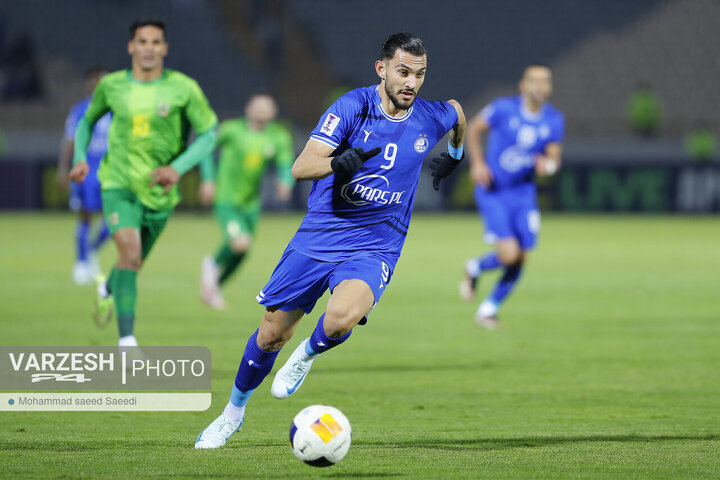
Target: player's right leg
{"x": 511, "y": 257}
{"x": 356, "y": 285}
{"x": 93, "y": 204}
{"x": 257, "y": 361}
{"x": 123, "y": 214}
{"x": 82, "y": 269}
{"x": 124, "y": 286}
{"x": 497, "y": 220}
{"x": 237, "y": 224}
{"x": 350, "y": 301}
{"x": 295, "y": 285}
{"x": 512, "y": 253}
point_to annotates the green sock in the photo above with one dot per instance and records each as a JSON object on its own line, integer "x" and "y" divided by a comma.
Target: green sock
{"x": 230, "y": 266}
{"x": 109, "y": 281}
{"x": 223, "y": 255}
{"x": 125, "y": 292}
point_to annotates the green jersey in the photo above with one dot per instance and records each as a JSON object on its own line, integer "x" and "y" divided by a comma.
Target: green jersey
{"x": 244, "y": 157}
{"x": 150, "y": 126}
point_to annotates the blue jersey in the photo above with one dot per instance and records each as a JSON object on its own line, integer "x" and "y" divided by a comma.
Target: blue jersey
{"x": 370, "y": 211}
{"x": 516, "y": 136}
{"x": 98, "y": 143}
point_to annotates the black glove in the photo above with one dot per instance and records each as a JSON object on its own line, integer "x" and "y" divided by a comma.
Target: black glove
{"x": 441, "y": 167}
{"x": 352, "y": 159}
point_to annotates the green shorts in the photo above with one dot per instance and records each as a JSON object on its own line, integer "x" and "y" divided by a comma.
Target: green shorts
{"x": 236, "y": 221}
{"x": 123, "y": 209}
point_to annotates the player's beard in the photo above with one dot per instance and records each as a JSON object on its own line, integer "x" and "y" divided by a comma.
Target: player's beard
{"x": 396, "y": 101}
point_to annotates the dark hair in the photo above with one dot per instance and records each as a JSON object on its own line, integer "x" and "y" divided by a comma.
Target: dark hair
{"x": 94, "y": 71}
{"x": 537, "y": 64}
{"x": 146, "y": 22}
{"x": 406, "y": 42}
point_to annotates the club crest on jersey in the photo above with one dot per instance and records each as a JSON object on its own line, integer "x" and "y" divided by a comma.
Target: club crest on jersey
{"x": 331, "y": 121}
{"x": 163, "y": 109}
{"x": 421, "y": 144}
{"x": 114, "y": 218}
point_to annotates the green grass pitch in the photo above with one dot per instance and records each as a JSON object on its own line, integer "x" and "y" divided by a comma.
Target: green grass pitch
{"x": 608, "y": 365}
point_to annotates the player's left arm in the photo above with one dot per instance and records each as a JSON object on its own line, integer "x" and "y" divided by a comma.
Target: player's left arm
{"x": 208, "y": 172}
{"x": 169, "y": 175}
{"x": 443, "y": 165}
{"x": 457, "y": 134}
{"x": 550, "y": 161}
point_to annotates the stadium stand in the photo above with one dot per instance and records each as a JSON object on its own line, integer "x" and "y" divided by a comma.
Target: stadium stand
{"x": 301, "y": 50}
{"x": 95, "y": 33}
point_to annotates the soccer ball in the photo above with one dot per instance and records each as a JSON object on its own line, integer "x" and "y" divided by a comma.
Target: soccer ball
{"x": 320, "y": 435}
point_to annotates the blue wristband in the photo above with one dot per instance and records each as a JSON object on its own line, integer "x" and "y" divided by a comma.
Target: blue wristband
{"x": 455, "y": 152}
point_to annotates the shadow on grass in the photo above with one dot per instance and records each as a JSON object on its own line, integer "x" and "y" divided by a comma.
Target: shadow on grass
{"x": 531, "y": 442}
{"x": 435, "y": 444}
{"x": 363, "y": 475}
{"x": 387, "y": 368}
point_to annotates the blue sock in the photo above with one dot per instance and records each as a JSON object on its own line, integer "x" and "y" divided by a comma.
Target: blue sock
{"x": 102, "y": 235}
{"x": 506, "y": 283}
{"x": 319, "y": 342}
{"x": 255, "y": 365}
{"x": 240, "y": 398}
{"x": 82, "y": 231}
{"x": 490, "y": 261}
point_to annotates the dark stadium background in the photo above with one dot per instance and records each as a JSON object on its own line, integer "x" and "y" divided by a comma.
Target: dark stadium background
{"x": 306, "y": 52}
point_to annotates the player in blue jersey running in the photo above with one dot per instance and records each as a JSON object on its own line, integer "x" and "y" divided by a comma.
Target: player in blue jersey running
{"x": 364, "y": 158}
{"x": 524, "y": 141}
{"x": 85, "y": 197}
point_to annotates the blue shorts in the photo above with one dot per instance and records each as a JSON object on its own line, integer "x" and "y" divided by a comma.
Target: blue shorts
{"x": 509, "y": 214}
{"x": 299, "y": 281}
{"x": 86, "y": 196}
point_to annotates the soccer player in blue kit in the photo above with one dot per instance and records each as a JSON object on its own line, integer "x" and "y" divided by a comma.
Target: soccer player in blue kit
{"x": 85, "y": 197}
{"x": 364, "y": 158}
{"x": 524, "y": 141}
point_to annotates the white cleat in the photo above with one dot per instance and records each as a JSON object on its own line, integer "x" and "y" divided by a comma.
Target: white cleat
{"x": 488, "y": 323}
{"x": 292, "y": 375}
{"x": 217, "y": 433}
{"x": 82, "y": 273}
{"x": 209, "y": 287}
{"x": 486, "y": 316}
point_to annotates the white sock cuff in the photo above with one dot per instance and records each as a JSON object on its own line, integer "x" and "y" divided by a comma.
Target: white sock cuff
{"x": 128, "y": 341}
{"x": 472, "y": 267}
{"x": 487, "y": 309}
{"x": 233, "y": 412}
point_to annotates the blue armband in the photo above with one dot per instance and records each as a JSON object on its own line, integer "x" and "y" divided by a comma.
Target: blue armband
{"x": 455, "y": 152}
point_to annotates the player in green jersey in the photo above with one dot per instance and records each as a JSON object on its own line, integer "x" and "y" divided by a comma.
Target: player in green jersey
{"x": 248, "y": 145}
{"x": 153, "y": 109}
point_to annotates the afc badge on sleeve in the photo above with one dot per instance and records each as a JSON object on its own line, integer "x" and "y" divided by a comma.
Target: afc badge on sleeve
{"x": 331, "y": 121}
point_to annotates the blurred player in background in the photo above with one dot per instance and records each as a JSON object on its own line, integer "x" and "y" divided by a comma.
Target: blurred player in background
{"x": 85, "y": 197}
{"x": 153, "y": 109}
{"x": 248, "y": 146}
{"x": 525, "y": 135}
{"x": 365, "y": 158}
